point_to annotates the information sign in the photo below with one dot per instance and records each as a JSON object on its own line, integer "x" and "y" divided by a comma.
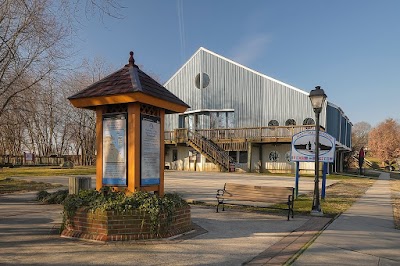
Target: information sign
{"x": 114, "y": 150}
{"x": 303, "y": 147}
{"x": 150, "y": 150}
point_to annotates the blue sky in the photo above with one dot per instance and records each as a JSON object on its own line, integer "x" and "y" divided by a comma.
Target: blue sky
{"x": 350, "y": 48}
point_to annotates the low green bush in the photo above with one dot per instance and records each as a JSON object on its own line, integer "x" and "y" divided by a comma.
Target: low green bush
{"x": 57, "y": 197}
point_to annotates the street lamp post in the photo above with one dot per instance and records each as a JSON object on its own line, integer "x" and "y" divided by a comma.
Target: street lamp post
{"x": 317, "y": 98}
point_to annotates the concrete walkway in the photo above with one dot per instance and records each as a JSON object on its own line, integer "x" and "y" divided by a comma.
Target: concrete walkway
{"x": 28, "y": 233}
{"x": 363, "y": 235}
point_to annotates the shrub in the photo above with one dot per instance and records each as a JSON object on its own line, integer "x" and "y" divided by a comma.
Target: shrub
{"x": 41, "y": 195}
{"x": 57, "y": 197}
{"x": 107, "y": 200}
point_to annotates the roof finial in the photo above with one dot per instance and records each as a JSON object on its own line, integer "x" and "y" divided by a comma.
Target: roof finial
{"x": 131, "y": 60}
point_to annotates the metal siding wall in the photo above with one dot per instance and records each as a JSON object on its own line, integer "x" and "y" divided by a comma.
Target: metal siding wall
{"x": 183, "y": 86}
{"x": 333, "y": 122}
{"x": 256, "y": 99}
{"x": 343, "y": 130}
{"x": 338, "y": 126}
{"x": 349, "y": 129}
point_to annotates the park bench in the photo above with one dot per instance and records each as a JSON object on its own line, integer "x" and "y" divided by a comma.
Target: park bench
{"x": 250, "y": 193}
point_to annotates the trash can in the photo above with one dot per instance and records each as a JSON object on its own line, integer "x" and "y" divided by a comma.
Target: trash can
{"x": 77, "y": 183}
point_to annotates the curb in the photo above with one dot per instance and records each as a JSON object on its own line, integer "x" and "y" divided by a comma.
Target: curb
{"x": 286, "y": 250}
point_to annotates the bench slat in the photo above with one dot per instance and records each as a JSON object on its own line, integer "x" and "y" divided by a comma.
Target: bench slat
{"x": 251, "y": 193}
{"x": 255, "y": 193}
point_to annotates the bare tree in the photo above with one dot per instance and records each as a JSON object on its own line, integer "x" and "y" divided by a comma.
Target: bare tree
{"x": 384, "y": 141}
{"x": 33, "y": 52}
{"x": 80, "y": 134}
{"x": 359, "y": 135}
{"x": 31, "y": 42}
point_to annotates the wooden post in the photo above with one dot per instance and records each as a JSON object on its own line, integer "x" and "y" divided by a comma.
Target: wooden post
{"x": 99, "y": 147}
{"x": 133, "y": 147}
{"x": 162, "y": 154}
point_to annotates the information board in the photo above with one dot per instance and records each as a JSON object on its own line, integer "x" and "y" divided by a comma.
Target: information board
{"x": 303, "y": 147}
{"x": 114, "y": 150}
{"x": 150, "y": 150}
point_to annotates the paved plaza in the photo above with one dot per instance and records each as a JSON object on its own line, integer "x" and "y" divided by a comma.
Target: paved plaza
{"x": 364, "y": 235}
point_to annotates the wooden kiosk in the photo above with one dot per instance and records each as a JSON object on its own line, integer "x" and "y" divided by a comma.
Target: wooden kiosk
{"x": 130, "y": 108}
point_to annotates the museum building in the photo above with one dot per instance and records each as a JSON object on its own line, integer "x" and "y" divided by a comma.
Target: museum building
{"x": 241, "y": 118}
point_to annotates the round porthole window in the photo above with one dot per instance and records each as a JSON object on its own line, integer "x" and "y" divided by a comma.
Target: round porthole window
{"x": 273, "y": 156}
{"x": 290, "y": 122}
{"x": 205, "y": 79}
{"x": 273, "y": 123}
{"x": 308, "y": 121}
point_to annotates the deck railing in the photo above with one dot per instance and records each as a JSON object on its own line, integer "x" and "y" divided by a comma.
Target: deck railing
{"x": 180, "y": 135}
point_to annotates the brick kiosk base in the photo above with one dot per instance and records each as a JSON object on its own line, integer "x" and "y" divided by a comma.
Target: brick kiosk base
{"x": 130, "y": 225}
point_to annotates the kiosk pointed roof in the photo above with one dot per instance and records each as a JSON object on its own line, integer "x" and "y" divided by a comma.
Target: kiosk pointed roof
{"x": 128, "y": 81}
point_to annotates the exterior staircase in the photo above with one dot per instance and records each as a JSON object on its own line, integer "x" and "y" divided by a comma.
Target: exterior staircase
{"x": 367, "y": 162}
{"x": 209, "y": 149}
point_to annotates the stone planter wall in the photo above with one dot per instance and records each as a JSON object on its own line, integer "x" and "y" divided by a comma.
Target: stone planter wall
{"x": 130, "y": 225}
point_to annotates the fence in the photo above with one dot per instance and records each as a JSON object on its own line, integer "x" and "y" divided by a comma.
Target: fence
{"x": 21, "y": 160}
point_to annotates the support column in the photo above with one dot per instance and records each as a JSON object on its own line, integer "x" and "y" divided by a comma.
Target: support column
{"x": 134, "y": 147}
{"x": 162, "y": 154}
{"x": 341, "y": 162}
{"x": 249, "y": 157}
{"x": 261, "y": 158}
{"x": 99, "y": 147}
{"x": 324, "y": 172}
{"x": 297, "y": 179}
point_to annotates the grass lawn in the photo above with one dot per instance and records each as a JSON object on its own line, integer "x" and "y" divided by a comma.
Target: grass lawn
{"x": 10, "y": 185}
{"x": 46, "y": 171}
{"x": 339, "y": 196}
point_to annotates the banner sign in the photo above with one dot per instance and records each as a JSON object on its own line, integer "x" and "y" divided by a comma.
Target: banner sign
{"x": 150, "y": 151}
{"x": 114, "y": 150}
{"x": 303, "y": 147}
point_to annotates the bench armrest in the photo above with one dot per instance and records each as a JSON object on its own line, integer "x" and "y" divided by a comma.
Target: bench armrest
{"x": 220, "y": 192}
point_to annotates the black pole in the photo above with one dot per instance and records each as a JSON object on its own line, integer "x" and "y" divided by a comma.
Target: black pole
{"x": 316, "y": 207}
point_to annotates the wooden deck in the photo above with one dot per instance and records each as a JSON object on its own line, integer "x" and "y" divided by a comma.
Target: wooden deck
{"x": 239, "y": 136}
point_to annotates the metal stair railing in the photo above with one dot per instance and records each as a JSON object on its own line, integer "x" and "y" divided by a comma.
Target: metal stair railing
{"x": 367, "y": 162}
{"x": 209, "y": 149}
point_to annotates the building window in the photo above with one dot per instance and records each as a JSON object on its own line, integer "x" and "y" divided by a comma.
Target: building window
{"x": 205, "y": 79}
{"x": 273, "y": 156}
{"x": 287, "y": 156}
{"x": 273, "y": 123}
{"x": 233, "y": 155}
{"x": 290, "y": 122}
{"x": 243, "y": 157}
{"x": 308, "y": 121}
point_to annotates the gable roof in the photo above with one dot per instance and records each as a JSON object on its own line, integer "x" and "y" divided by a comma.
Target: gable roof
{"x": 237, "y": 64}
{"x": 127, "y": 80}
